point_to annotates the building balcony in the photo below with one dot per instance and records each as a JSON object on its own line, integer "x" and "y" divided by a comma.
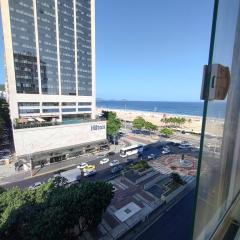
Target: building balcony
{"x": 43, "y": 122}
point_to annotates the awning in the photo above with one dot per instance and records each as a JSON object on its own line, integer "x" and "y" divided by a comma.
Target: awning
{"x": 31, "y": 120}
{"x": 22, "y": 120}
{"x": 40, "y": 119}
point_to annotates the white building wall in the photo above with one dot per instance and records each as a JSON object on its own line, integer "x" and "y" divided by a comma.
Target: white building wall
{"x": 33, "y": 140}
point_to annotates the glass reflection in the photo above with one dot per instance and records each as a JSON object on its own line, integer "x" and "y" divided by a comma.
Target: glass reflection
{"x": 24, "y": 46}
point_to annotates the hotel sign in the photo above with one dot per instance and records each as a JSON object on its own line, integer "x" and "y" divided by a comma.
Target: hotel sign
{"x": 97, "y": 127}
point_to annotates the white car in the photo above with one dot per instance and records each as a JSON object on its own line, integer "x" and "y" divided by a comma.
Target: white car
{"x": 166, "y": 150}
{"x": 35, "y": 185}
{"x": 114, "y": 163}
{"x": 82, "y": 165}
{"x": 151, "y": 156}
{"x": 184, "y": 145}
{"x": 104, "y": 160}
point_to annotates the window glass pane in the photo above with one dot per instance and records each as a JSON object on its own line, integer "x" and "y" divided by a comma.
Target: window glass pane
{"x": 24, "y": 46}
{"x": 47, "y": 46}
{"x": 220, "y": 157}
{"x": 66, "y": 41}
{"x": 84, "y": 54}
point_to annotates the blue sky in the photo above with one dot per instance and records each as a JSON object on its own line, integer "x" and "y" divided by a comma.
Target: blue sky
{"x": 150, "y": 50}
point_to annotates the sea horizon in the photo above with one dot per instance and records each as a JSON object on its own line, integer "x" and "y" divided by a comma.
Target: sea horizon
{"x": 168, "y": 107}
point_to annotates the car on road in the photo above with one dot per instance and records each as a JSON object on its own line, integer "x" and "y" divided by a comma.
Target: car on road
{"x": 195, "y": 149}
{"x": 184, "y": 145}
{"x": 116, "y": 169}
{"x": 114, "y": 163}
{"x": 173, "y": 144}
{"x": 82, "y": 165}
{"x": 151, "y": 156}
{"x": 72, "y": 175}
{"x": 110, "y": 154}
{"x": 89, "y": 173}
{"x": 166, "y": 150}
{"x": 130, "y": 160}
{"x": 89, "y": 168}
{"x": 35, "y": 185}
{"x": 104, "y": 160}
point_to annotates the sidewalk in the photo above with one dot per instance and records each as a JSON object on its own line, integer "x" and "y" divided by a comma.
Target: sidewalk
{"x": 10, "y": 176}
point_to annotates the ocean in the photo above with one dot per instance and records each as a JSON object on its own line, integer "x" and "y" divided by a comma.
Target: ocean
{"x": 180, "y": 108}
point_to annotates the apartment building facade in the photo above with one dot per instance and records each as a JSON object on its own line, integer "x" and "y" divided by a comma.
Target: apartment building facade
{"x": 50, "y": 68}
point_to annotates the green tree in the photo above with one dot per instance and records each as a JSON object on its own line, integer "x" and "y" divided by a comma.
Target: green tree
{"x": 150, "y": 126}
{"x": 4, "y": 115}
{"x": 113, "y": 126}
{"x": 138, "y": 123}
{"x": 113, "y": 123}
{"x": 52, "y": 209}
{"x": 167, "y": 132}
{"x": 2, "y": 190}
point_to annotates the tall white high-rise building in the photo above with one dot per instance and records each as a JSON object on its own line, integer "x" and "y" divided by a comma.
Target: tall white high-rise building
{"x": 50, "y": 65}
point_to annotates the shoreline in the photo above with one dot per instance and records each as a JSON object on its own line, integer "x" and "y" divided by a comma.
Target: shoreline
{"x": 193, "y": 123}
{"x": 148, "y": 112}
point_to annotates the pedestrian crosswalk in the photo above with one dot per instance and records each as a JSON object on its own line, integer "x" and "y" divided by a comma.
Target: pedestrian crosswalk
{"x": 160, "y": 168}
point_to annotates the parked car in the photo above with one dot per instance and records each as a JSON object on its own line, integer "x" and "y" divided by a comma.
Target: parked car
{"x": 114, "y": 163}
{"x": 89, "y": 173}
{"x": 104, "y": 160}
{"x": 35, "y": 185}
{"x": 151, "y": 156}
{"x": 116, "y": 169}
{"x": 114, "y": 189}
{"x": 82, "y": 165}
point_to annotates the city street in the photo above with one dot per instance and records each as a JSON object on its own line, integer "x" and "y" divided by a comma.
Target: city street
{"x": 103, "y": 171}
{"x": 170, "y": 224}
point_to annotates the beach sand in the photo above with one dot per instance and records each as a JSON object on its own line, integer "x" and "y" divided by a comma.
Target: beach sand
{"x": 193, "y": 123}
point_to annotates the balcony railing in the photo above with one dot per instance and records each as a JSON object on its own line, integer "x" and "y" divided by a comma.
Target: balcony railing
{"x": 55, "y": 123}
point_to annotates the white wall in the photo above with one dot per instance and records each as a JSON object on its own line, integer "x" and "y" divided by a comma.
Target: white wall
{"x": 30, "y": 140}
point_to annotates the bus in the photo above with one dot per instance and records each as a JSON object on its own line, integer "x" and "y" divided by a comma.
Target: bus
{"x": 131, "y": 150}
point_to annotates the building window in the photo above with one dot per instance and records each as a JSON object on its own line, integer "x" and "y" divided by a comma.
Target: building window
{"x": 68, "y": 104}
{"x": 84, "y": 109}
{"x": 28, "y": 104}
{"x": 51, "y": 110}
{"x": 84, "y": 104}
{"x": 50, "y": 104}
{"x": 69, "y": 110}
{"x": 28, "y": 111}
